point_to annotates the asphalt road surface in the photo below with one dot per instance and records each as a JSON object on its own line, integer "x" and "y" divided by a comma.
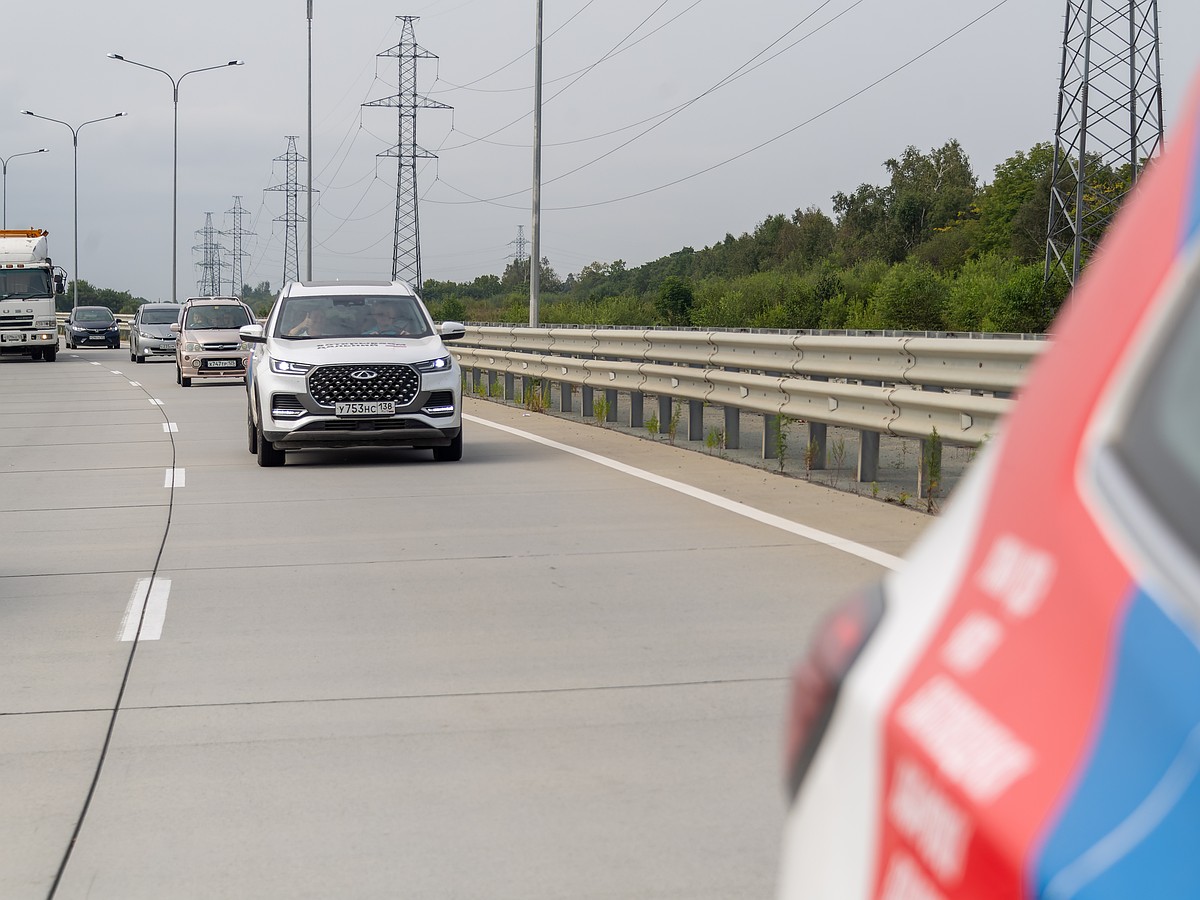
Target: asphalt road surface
{"x": 555, "y": 669}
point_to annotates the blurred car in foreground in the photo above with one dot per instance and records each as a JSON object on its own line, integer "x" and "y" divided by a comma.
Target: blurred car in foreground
{"x": 150, "y": 331}
{"x": 344, "y": 364}
{"x": 1016, "y": 712}
{"x": 89, "y": 326}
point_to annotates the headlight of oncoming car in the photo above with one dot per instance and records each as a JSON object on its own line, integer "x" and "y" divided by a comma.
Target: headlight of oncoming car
{"x": 283, "y": 367}
{"x": 441, "y": 364}
{"x": 192, "y": 347}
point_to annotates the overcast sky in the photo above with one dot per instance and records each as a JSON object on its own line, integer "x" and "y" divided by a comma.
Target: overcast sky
{"x": 641, "y": 155}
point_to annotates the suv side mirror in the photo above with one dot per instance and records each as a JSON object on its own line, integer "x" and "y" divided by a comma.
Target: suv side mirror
{"x": 175, "y": 327}
{"x": 452, "y": 331}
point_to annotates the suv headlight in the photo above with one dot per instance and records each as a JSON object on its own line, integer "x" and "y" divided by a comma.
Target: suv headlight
{"x": 283, "y": 367}
{"x": 441, "y": 364}
{"x": 192, "y": 347}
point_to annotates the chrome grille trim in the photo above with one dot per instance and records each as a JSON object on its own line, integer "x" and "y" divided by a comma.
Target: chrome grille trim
{"x": 336, "y": 384}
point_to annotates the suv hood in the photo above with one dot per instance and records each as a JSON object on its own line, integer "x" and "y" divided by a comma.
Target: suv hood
{"x": 158, "y": 331}
{"x": 342, "y": 351}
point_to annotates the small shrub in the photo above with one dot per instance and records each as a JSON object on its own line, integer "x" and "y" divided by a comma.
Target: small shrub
{"x": 652, "y": 425}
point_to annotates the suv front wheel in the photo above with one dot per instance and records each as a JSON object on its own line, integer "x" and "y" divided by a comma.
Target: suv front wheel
{"x": 450, "y": 453}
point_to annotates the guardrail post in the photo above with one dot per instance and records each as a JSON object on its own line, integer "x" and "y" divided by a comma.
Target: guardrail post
{"x": 476, "y": 380}
{"x": 509, "y": 387}
{"x": 610, "y": 395}
{"x": 637, "y": 416}
{"x": 733, "y": 428}
{"x": 695, "y": 420}
{"x": 664, "y": 413}
{"x": 588, "y": 407}
{"x": 770, "y": 445}
{"x": 564, "y": 396}
{"x": 868, "y": 456}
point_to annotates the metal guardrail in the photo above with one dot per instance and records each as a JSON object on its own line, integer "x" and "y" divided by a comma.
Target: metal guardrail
{"x": 905, "y": 385}
{"x": 901, "y": 385}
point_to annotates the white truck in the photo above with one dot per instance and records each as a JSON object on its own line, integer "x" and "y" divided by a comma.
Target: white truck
{"x": 29, "y": 284}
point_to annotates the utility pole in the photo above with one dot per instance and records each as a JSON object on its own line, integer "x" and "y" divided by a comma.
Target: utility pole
{"x": 237, "y": 254}
{"x": 535, "y": 263}
{"x": 1110, "y": 122}
{"x": 406, "y": 247}
{"x": 290, "y": 218}
{"x": 308, "y": 268}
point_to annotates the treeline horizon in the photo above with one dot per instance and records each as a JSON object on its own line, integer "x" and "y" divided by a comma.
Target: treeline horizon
{"x": 931, "y": 249}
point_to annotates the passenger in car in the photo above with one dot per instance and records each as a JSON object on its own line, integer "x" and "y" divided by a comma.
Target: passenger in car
{"x": 389, "y": 319}
{"x": 314, "y": 324}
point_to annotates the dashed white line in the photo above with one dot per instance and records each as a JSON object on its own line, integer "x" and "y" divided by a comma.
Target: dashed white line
{"x": 175, "y": 478}
{"x": 135, "y": 384}
{"x": 170, "y": 426}
{"x": 154, "y": 402}
{"x": 154, "y": 601}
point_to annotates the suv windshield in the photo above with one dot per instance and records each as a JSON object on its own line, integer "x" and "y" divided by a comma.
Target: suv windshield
{"x": 224, "y": 317}
{"x": 159, "y": 316}
{"x": 361, "y": 315}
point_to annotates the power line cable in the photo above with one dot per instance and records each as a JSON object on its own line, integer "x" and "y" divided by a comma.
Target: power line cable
{"x": 744, "y": 153}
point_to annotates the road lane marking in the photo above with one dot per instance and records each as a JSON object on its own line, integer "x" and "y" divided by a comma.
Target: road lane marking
{"x": 175, "y": 478}
{"x": 154, "y": 402}
{"x": 135, "y": 384}
{"x": 154, "y": 601}
{"x": 116, "y": 372}
{"x": 813, "y": 534}
{"x": 170, "y": 426}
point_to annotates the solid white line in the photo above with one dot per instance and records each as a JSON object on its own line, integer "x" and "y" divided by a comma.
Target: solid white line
{"x": 155, "y": 615}
{"x": 170, "y": 426}
{"x": 821, "y": 537}
{"x": 175, "y": 478}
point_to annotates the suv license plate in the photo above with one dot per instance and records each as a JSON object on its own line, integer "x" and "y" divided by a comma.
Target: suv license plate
{"x": 222, "y": 364}
{"x": 377, "y": 408}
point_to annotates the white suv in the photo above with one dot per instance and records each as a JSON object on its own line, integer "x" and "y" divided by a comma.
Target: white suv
{"x": 341, "y": 364}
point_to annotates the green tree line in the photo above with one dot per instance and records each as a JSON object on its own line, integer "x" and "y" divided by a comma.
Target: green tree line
{"x": 930, "y": 249}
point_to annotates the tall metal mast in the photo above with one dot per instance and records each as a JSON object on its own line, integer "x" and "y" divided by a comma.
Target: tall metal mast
{"x": 406, "y": 248}
{"x": 1110, "y": 122}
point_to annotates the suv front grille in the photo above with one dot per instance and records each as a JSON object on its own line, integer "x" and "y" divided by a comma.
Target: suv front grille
{"x": 338, "y": 384}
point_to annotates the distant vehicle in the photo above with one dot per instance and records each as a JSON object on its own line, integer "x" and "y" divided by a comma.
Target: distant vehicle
{"x": 342, "y": 364}
{"x": 1016, "y": 713}
{"x": 208, "y": 344}
{"x": 150, "y": 331}
{"x": 29, "y": 283}
{"x": 92, "y": 325}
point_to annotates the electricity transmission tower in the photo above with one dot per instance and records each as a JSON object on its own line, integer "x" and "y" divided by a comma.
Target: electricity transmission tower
{"x": 406, "y": 248}
{"x": 520, "y": 243}
{"x": 237, "y": 254}
{"x": 291, "y": 218}
{"x": 209, "y": 284}
{"x": 1110, "y": 122}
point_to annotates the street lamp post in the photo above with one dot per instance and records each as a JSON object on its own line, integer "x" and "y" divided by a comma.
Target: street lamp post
{"x": 4, "y": 164}
{"x": 175, "y": 82}
{"x": 75, "y": 129}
